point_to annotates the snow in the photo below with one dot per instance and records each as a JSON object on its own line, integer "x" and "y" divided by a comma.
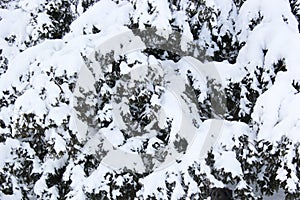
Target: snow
{"x": 112, "y": 16}
{"x": 93, "y": 180}
{"x": 30, "y": 102}
{"x": 15, "y": 23}
{"x": 196, "y": 152}
{"x": 228, "y": 72}
{"x": 233, "y": 167}
{"x": 272, "y": 11}
{"x": 228, "y": 11}
{"x": 283, "y": 104}
{"x": 40, "y": 186}
{"x": 30, "y": 86}
{"x": 31, "y": 5}
{"x": 5, "y": 149}
{"x": 159, "y": 19}
{"x": 171, "y": 109}
{"x": 269, "y": 38}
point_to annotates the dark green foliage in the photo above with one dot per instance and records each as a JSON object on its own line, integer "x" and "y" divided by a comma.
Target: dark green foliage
{"x": 241, "y": 96}
{"x": 164, "y": 134}
{"x": 295, "y": 8}
{"x": 56, "y": 179}
{"x": 215, "y": 102}
{"x": 261, "y": 161}
{"x": 90, "y": 164}
{"x": 270, "y": 162}
{"x": 250, "y": 96}
{"x": 21, "y": 169}
{"x": 228, "y": 48}
{"x": 11, "y": 39}
{"x": 101, "y": 195}
{"x": 139, "y": 104}
{"x": 217, "y": 98}
{"x": 280, "y": 66}
{"x": 162, "y": 54}
{"x": 254, "y": 22}
{"x": 31, "y": 131}
{"x": 87, "y": 3}
{"x": 3, "y": 63}
{"x": 246, "y": 154}
{"x": 205, "y": 106}
{"x": 5, "y": 184}
{"x": 204, "y": 17}
{"x": 125, "y": 182}
{"x": 245, "y": 194}
{"x": 61, "y": 17}
{"x": 199, "y": 16}
{"x": 202, "y": 181}
{"x": 239, "y": 3}
{"x": 233, "y": 94}
{"x": 296, "y": 85}
{"x": 4, "y": 4}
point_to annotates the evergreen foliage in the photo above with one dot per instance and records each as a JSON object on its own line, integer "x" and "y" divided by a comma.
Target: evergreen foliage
{"x": 43, "y": 156}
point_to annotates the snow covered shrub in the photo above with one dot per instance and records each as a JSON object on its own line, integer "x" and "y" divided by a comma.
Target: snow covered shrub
{"x": 239, "y": 3}
{"x": 87, "y": 3}
{"x": 202, "y": 181}
{"x": 3, "y": 63}
{"x": 207, "y": 26}
{"x": 295, "y": 8}
{"x": 286, "y": 174}
{"x": 61, "y": 16}
{"x": 221, "y": 193}
{"x": 120, "y": 185}
{"x": 45, "y": 44}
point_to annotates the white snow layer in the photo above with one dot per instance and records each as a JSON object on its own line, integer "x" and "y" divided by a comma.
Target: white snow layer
{"x": 276, "y": 112}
